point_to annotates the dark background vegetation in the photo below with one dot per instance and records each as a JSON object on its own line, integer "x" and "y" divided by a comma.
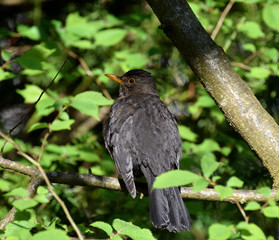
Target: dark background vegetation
{"x": 82, "y": 32}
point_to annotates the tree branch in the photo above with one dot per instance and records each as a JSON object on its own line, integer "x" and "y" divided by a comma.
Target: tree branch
{"x": 115, "y": 184}
{"x": 211, "y": 65}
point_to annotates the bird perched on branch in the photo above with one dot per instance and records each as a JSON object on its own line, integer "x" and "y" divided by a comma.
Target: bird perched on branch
{"x": 142, "y": 137}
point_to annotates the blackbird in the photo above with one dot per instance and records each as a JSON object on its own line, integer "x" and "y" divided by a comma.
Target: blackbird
{"x": 141, "y": 135}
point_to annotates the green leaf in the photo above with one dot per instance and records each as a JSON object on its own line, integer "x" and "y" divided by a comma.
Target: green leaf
{"x": 32, "y": 59}
{"x": 26, "y": 219}
{"x": 88, "y": 102}
{"x": 216, "y": 178}
{"x": 109, "y": 37}
{"x": 226, "y": 151}
{"x": 258, "y": 73}
{"x": 32, "y": 32}
{"x": 209, "y": 145}
{"x": 175, "y": 178}
{"x": 42, "y": 190}
{"x": 235, "y": 182}
{"x": 59, "y": 125}
{"x": 249, "y": 47}
{"x": 45, "y": 106}
{"x": 224, "y": 191}
{"x": 250, "y": 231}
{"x": 53, "y": 234}
{"x": 5, "y": 75}
{"x": 81, "y": 26}
{"x": 4, "y": 184}
{"x": 131, "y": 60}
{"x": 14, "y": 231}
{"x": 271, "y": 16}
{"x": 187, "y": 134}
{"x": 89, "y": 156}
{"x": 31, "y": 93}
{"x": 42, "y": 199}
{"x": 252, "y": 30}
{"x": 19, "y": 192}
{"x": 104, "y": 226}
{"x": 271, "y": 53}
{"x": 271, "y": 211}
{"x": 205, "y": 101}
{"x": 200, "y": 184}
{"x": 219, "y": 232}
{"x": 132, "y": 231}
{"x": 252, "y": 206}
{"x": 272, "y": 203}
{"x": 24, "y": 204}
{"x": 209, "y": 165}
{"x": 266, "y": 191}
{"x": 6, "y": 55}
{"x": 64, "y": 116}
{"x": 37, "y": 126}
{"x": 82, "y": 44}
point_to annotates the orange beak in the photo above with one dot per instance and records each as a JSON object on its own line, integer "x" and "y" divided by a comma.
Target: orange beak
{"x": 114, "y": 78}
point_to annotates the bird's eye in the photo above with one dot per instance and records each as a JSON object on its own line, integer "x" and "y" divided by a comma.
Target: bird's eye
{"x": 131, "y": 81}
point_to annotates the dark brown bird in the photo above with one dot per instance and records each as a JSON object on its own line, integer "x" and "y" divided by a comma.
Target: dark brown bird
{"x": 142, "y": 137}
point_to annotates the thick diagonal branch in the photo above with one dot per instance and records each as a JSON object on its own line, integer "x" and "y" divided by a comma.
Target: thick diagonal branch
{"x": 211, "y": 65}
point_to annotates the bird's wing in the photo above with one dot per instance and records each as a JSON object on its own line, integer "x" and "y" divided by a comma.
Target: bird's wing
{"x": 117, "y": 134}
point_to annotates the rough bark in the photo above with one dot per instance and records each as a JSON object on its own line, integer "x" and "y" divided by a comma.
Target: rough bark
{"x": 211, "y": 65}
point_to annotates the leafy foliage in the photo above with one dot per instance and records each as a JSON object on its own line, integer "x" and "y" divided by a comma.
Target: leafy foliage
{"x": 113, "y": 37}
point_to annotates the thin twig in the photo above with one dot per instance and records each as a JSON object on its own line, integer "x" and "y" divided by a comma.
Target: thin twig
{"x": 242, "y": 211}
{"x": 241, "y": 65}
{"x": 38, "y": 165}
{"x": 250, "y": 57}
{"x": 48, "y": 133}
{"x": 222, "y": 18}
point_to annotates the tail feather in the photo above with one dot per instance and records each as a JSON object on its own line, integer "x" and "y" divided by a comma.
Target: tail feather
{"x": 167, "y": 209}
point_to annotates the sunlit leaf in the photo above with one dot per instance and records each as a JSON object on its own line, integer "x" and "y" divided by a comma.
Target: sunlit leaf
{"x": 209, "y": 165}
{"x": 235, "y": 182}
{"x": 187, "y": 134}
{"x": 88, "y": 102}
{"x": 252, "y": 206}
{"x": 132, "y": 231}
{"x": 250, "y": 231}
{"x": 200, "y": 184}
{"x": 31, "y": 32}
{"x": 59, "y": 125}
{"x": 104, "y": 226}
{"x": 37, "y": 126}
{"x": 224, "y": 191}
{"x": 19, "y": 192}
{"x": 271, "y": 16}
{"x": 109, "y": 37}
{"x": 271, "y": 211}
{"x": 219, "y": 232}
{"x": 24, "y": 204}
{"x": 252, "y": 30}
{"x": 53, "y": 234}
{"x": 175, "y": 178}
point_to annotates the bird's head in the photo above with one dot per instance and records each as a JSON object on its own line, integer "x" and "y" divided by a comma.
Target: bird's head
{"x": 135, "y": 81}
